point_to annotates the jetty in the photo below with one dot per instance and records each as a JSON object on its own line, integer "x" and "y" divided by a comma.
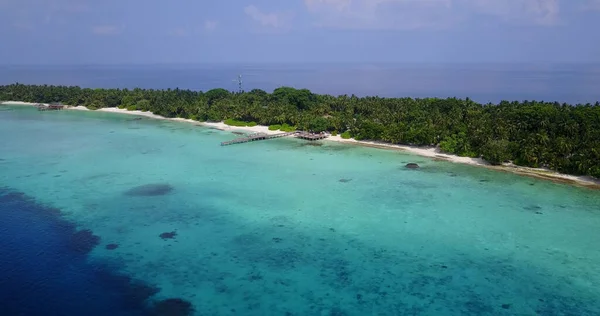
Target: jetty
{"x": 311, "y": 136}
{"x": 264, "y": 136}
{"x": 255, "y": 137}
{"x": 49, "y": 107}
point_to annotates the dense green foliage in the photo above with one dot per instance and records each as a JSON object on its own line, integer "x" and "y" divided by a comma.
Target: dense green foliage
{"x": 559, "y": 136}
{"x": 233, "y": 122}
{"x": 346, "y": 135}
{"x": 283, "y": 127}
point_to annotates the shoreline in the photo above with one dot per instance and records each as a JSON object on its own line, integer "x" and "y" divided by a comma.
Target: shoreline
{"x": 429, "y": 152}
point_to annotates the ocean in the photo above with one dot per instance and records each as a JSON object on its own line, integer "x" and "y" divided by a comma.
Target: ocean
{"x": 101, "y": 214}
{"x": 571, "y": 83}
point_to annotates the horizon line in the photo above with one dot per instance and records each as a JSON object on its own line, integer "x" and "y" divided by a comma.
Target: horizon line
{"x": 307, "y": 63}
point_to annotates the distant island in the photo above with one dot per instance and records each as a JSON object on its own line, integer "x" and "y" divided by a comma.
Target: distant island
{"x": 561, "y": 137}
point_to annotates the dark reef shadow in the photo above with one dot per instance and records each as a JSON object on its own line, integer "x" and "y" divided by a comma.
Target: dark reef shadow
{"x": 45, "y": 269}
{"x": 83, "y": 241}
{"x": 172, "y": 307}
{"x": 154, "y": 189}
{"x": 168, "y": 235}
{"x": 311, "y": 144}
{"x": 111, "y": 246}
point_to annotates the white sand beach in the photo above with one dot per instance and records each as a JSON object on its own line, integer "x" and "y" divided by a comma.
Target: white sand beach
{"x": 21, "y": 103}
{"x": 431, "y": 152}
{"x": 79, "y": 107}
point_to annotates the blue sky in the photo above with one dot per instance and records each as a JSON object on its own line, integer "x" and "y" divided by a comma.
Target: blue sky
{"x": 187, "y": 31}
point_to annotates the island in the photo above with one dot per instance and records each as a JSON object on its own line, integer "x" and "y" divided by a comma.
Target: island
{"x": 561, "y": 137}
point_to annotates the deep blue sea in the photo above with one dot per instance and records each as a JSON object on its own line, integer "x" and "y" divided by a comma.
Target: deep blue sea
{"x": 44, "y": 272}
{"x": 572, "y": 83}
{"x": 101, "y": 214}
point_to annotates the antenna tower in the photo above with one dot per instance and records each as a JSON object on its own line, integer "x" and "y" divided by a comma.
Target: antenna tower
{"x": 239, "y": 81}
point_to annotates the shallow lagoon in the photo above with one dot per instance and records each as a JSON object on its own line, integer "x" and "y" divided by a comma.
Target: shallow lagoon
{"x": 281, "y": 227}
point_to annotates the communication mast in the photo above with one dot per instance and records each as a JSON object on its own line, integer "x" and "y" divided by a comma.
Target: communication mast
{"x": 239, "y": 81}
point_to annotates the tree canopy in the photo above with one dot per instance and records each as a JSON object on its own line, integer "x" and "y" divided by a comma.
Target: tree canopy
{"x": 562, "y": 137}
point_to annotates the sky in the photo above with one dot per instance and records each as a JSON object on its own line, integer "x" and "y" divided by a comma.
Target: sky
{"x": 298, "y": 31}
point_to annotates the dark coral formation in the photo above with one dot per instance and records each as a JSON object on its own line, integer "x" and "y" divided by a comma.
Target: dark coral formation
{"x": 154, "y": 189}
{"x": 534, "y": 208}
{"x": 83, "y": 241}
{"x": 412, "y": 165}
{"x": 111, "y": 292}
{"x": 134, "y": 294}
{"x": 345, "y": 180}
{"x": 112, "y": 246}
{"x": 315, "y": 144}
{"x": 172, "y": 307}
{"x": 168, "y": 235}
{"x": 10, "y": 196}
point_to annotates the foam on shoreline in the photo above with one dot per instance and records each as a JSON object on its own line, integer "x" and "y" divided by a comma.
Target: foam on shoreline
{"x": 430, "y": 152}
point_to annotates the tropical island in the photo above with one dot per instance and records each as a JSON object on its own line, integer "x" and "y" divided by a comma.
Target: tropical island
{"x": 561, "y": 137}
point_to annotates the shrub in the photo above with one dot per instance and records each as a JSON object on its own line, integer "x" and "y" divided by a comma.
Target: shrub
{"x": 232, "y": 122}
{"x": 334, "y": 133}
{"x": 275, "y": 127}
{"x": 346, "y": 135}
{"x": 287, "y": 128}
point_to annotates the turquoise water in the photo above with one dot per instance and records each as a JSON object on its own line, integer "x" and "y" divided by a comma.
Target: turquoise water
{"x": 268, "y": 228}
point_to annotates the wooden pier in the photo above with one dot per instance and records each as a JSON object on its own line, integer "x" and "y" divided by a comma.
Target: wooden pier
{"x": 311, "y": 136}
{"x": 51, "y": 107}
{"x": 263, "y": 136}
{"x": 255, "y": 137}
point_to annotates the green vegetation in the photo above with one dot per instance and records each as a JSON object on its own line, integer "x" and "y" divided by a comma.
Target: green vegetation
{"x": 530, "y": 133}
{"x": 287, "y": 128}
{"x": 346, "y": 135}
{"x": 283, "y": 127}
{"x": 232, "y": 122}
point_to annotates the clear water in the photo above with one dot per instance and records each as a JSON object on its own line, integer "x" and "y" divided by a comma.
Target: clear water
{"x": 268, "y": 228}
{"x": 572, "y": 83}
